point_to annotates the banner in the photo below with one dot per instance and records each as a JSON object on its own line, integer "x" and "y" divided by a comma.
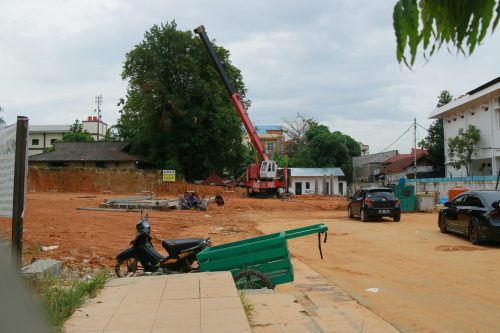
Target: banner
{"x": 169, "y": 176}
{"x": 7, "y": 163}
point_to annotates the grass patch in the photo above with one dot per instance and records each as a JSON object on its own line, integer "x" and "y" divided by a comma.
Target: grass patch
{"x": 61, "y": 297}
{"x": 248, "y": 307}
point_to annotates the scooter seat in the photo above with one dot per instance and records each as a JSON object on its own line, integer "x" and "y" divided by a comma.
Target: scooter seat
{"x": 176, "y": 246}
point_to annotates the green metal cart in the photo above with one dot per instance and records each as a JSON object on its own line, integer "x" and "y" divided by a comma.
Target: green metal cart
{"x": 257, "y": 262}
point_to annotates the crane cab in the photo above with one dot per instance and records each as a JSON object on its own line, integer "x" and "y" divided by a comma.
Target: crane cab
{"x": 268, "y": 169}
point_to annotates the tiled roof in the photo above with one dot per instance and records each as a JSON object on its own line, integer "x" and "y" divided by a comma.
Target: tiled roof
{"x": 87, "y": 151}
{"x": 402, "y": 161}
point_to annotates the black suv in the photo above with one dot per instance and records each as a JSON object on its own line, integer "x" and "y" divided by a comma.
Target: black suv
{"x": 374, "y": 202}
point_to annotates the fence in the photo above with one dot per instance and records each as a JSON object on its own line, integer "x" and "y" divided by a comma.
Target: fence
{"x": 442, "y": 185}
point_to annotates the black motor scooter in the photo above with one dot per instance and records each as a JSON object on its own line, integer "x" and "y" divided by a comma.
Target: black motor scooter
{"x": 143, "y": 256}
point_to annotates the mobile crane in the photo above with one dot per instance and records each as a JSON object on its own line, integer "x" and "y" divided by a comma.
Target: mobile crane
{"x": 263, "y": 179}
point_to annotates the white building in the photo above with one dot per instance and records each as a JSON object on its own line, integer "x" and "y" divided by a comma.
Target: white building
{"x": 42, "y": 137}
{"x": 479, "y": 107}
{"x": 326, "y": 181}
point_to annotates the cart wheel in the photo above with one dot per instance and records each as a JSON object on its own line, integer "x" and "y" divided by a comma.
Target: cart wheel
{"x": 252, "y": 279}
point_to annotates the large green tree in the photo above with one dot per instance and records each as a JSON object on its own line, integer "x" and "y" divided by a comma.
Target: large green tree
{"x": 177, "y": 112}
{"x": 323, "y": 148}
{"x": 77, "y": 133}
{"x": 433, "y": 24}
{"x": 462, "y": 147}
{"x": 434, "y": 141}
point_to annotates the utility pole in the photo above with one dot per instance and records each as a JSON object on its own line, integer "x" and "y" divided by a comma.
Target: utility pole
{"x": 415, "y": 156}
{"x": 19, "y": 194}
{"x": 98, "y": 102}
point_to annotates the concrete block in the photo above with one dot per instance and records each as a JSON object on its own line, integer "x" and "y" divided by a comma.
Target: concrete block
{"x": 42, "y": 267}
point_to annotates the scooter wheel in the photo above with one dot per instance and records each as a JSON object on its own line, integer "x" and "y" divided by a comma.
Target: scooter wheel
{"x": 252, "y": 279}
{"x": 126, "y": 267}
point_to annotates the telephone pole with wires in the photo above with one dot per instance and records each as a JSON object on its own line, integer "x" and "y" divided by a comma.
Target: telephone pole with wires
{"x": 415, "y": 154}
{"x": 98, "y": 102}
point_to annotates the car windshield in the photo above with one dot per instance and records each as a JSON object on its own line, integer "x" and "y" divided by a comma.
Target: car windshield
{"x": 491, "y": 197}
{"x": 382, "y": 193}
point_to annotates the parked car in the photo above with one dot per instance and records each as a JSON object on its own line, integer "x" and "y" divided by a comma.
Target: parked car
{"x": 374, "y": 202}
{"x": 474, "y": 214}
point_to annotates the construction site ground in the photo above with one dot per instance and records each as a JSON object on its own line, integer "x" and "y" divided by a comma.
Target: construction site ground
{"x": 407, "y": 272}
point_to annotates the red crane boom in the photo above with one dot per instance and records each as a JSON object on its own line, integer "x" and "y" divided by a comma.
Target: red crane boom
{"x": 235, "y": 97}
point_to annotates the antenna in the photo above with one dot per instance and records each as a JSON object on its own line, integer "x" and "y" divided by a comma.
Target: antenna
{"x": 98, "y": 102}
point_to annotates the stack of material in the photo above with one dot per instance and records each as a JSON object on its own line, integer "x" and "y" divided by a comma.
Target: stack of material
{"x": 146, "y": 202}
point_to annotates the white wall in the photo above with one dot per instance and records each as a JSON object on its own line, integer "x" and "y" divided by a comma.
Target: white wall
{"x": 443, "y": 187}
{"x": 485, "y": 115}
{"x": 44, "y": 139}
{"x": 312, "y": 185}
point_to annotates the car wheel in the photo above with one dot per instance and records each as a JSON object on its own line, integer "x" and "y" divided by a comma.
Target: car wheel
{"x": 363, "y": 215}
{"x": 397, "y": 218}
{"x": 475, "y": 233}
{"x": 443, "y": 227}
{"x": 349, "y": 211}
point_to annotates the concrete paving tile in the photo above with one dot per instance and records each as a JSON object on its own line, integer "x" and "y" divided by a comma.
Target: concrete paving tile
{"x": 279, "y": 299}
{"x": 137, "y": 296}
{"x": 138, "y": 307}
{"x": 229, "y": 327}
{"x": 224, "y": 316}
{"x": 131, "y": 321}
{"x": 289, "y": 314}
{"x": 179, "y": 305}
{"x": 181, "y": 294}
{"x": 83, "y": 322}
{"x": 182, "y": 285}
{"x": 267, "y": 329}
{"x": 132, "y": 330}
{"x": 112, "y": 294}
{"x": 98, "y": 308}
{"x": 303, "y": 327}
{"x": 177, "y": 319}
{"x": 219, "y": 292}
{"x": 216, "y": 283}
{"x": 184, "y": 328}
{"x": 217, "y": 303}
{"x": 262, "y": 316}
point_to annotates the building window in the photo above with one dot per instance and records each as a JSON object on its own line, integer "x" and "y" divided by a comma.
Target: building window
{"x": 101, "y": 164}
{"x": 308, "y": 186}
{"x": 35, "y": 142}
{"x": 270, "y": 146}
{"x": 52, "y": 141}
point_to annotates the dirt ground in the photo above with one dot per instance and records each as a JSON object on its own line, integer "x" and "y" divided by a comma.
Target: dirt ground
{"x": 428, "y": 281}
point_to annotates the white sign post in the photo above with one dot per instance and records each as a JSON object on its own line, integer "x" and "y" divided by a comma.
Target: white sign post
{"x": 7, "y": 162}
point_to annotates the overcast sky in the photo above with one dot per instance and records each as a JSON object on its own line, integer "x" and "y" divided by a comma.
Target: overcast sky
{"x": 333, "y": 61}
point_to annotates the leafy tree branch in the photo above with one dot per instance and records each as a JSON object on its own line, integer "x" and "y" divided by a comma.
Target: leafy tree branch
{"x": 433, "y": 24}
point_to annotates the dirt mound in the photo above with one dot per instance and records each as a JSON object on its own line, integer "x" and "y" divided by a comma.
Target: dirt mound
{"x": 116, "y": 181}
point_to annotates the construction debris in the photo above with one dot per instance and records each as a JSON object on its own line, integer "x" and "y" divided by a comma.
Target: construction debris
{"x": 128, "y": 204}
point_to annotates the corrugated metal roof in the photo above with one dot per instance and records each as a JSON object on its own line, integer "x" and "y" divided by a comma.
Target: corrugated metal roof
{"x": 87, "y": 151}
{"x": 373, "y": 158}
{"x": 316, "y": 172}
{"x": 49, "y": 128}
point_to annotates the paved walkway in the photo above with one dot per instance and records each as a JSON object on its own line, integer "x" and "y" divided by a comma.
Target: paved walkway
{"x": 311, "y": 304}
{"x": 201, "y": 302}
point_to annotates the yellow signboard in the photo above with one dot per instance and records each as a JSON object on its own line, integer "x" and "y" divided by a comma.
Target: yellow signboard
{"x": 169, "y": 175}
